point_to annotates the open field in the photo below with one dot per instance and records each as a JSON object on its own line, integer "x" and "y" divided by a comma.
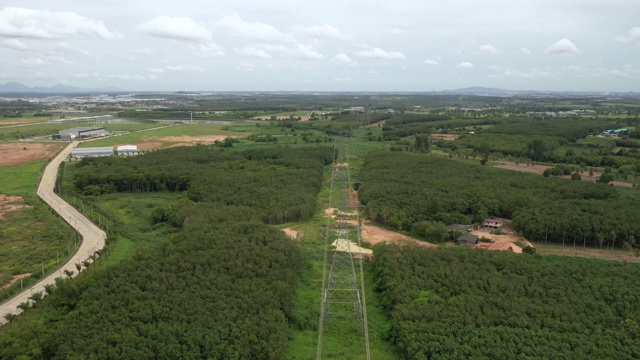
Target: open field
{"x": 16, "y": 153}
{"x": 586, "y": 252}
{"x": 44, "y": 129}
{"x": 187, "y": 133}
{"x": 539, "y": 169}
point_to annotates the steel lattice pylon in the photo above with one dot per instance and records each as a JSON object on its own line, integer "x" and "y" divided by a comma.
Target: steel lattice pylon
{"x": 342, "y": 296}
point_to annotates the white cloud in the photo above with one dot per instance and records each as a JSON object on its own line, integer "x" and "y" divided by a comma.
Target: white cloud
{"x": 127, "y": 77}
{"x": 343, "y": 59}
{"x": 175, "y": 28}
{"x": 324, "y": 31}
{"x": 252, "y": 31}
{"x": 379, "y": 54}
{"x": 43, "y": 24}
{"x": 563, "y": 47}
{"x": 15, "y": 44}
{"x": 434, "y": 61}
{"x": 177, "y": 68}
{"x": 340, "y": 80}
{"x": 144, "y": 51}
{"x": 465, "y": 65}
{"x": 632, "y": 38}
{"x": 207, "y": 51}
{"x": 33, "y": 61}
{"x": 525, "y": 51}
{"x": 253, "y": 51}
{"x": 500, "y": 72}
{"x": 309, "y": 53}
{"x": 489, "y": 49}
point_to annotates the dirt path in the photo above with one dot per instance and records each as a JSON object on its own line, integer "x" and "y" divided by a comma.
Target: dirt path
{"x": 93, "y": 238}
{"x": 15, "y": 279}
{"x": 374, "y": 235}
{"x": 293, "y": 233}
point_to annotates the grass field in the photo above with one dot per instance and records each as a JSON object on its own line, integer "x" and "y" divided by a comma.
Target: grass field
{"x": 32, "y": 237}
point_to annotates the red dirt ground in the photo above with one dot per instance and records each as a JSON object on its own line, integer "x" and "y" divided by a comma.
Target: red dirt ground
{"x": 375, "y": 235}
{"x": 502, "y": 242}
{"x": 539, "y": 169}
{"x": 23, "y": 152}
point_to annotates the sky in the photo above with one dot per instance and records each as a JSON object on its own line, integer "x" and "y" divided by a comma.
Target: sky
{"x": 327, "y": 45}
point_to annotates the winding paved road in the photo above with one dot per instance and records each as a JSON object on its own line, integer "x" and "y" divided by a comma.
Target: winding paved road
{"x": 93, "y": 238}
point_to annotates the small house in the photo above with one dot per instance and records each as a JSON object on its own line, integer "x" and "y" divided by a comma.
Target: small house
{"x": 493, "y": 222}
{"x": 468, "y": 240}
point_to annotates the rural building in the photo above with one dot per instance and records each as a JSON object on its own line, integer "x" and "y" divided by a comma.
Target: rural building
{"x": 468, "y": 240}
{"x": 124, "y": 150}
{"x": 461, "y": 228}
{"x": 81, "y": 153}
{"x": 81, "y": 133}
{"x": 493, "y": 222}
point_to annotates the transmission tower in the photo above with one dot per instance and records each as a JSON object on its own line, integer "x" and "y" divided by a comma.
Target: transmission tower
{"x": 343, "y": 296}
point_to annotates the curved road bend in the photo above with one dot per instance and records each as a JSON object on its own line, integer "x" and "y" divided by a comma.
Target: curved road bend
{"x": 93, "y": 238}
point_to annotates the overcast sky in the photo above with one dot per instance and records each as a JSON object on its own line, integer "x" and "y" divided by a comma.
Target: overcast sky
{"x": 339, "y": 45}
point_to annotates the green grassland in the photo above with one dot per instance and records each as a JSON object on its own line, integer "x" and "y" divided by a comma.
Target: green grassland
{"x": 33, "y": 237}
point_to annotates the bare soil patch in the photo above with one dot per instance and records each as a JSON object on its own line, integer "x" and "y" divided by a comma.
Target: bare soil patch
{"x": 293, "y": 233}
{"x": 10, "y": 203}
{"x": 354, "y": 199}
{"x": 374, "y": 235}
{"x": 23, "y": 152}
{"x": 378, "y": 123}
{"x": 15, "y": 279}
{"x": 156, "y": 142}
{"x": 502, "y": 242}
{"x": 539, "y": 169}
{"x": 445, "y": 137}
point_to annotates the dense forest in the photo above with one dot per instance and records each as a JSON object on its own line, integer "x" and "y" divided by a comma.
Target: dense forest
{"x": 223, "y": 286}
{"x": 405, "y": 189}
{"x": 459, "y": 303}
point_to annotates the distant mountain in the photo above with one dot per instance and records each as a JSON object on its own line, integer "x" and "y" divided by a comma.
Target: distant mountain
{"x": 15, "y": 87}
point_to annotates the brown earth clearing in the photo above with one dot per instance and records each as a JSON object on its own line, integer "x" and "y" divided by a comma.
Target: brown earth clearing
{"x": 539, "y": 169}
{"x": 587, "y": 252}
{"x": 156, "y": 142}
{"x": 23, "y": 152}
{"x": 293, "y": 233}
{"x": 15, "y": 279}
{"x": 374, "y": 235}
{"x": 10, "y": 203}
{"x": 445, "y": 137}
{"x": 266, "y": 117}
{"x": 502, "y": 242}
{"x": 378, "y": 123}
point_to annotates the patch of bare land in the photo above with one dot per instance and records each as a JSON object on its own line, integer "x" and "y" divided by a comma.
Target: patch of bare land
{"x": 374, "y": 235}
{"x": 10, "y": 203}
{"x": 23, "y": 152}
{"x": 539, "y": 169}
{"x": 501, "y": 242}
{"x": 445, "y": 137}
{"x": 293, "y": 233}
{"x": 268, "y": 117}
{"x": 15, "y": 279}
{"x": 378, "y": 123}
{"x": 586, "y": 252}
{"x": 157, "y": 142}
